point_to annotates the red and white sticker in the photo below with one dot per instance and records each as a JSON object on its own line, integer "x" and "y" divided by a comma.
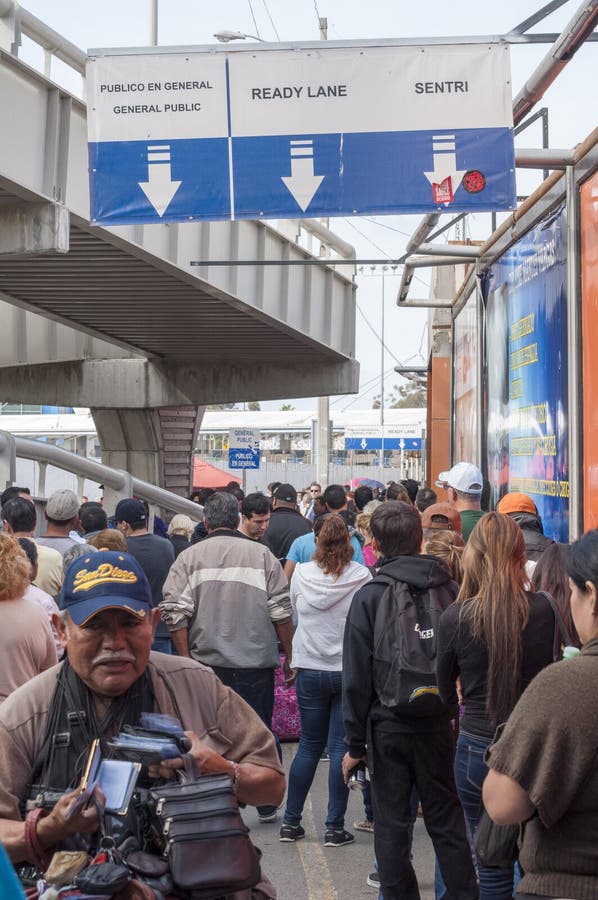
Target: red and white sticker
{"x": 443, "y": 192}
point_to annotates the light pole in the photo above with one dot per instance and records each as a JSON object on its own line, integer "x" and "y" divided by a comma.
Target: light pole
{"x": 224, "y": 36}
{"x": 382, "y": 360}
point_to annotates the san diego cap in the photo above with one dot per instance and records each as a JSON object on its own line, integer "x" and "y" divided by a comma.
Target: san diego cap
{"x": 105, "y": 580}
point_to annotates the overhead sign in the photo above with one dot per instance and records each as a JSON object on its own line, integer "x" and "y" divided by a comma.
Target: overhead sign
{"x": 244, "y": 448}
{"x": 375, "y": 443}
{"x": 278, "y": 133}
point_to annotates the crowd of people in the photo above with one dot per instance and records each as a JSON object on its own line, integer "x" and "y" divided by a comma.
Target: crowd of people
{"x": 424, "y": 640}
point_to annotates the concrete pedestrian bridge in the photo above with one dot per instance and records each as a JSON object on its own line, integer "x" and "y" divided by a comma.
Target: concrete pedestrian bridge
{"x": 117, "y": 319}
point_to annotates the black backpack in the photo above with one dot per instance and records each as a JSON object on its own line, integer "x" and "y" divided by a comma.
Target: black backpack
{"x": 405, "y": 646}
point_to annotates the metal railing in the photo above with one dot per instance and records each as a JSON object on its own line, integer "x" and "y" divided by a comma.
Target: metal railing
{"x": 120, "y": 483}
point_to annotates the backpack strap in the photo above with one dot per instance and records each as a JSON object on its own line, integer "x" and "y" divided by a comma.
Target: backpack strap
{"x": 561, "y": 632}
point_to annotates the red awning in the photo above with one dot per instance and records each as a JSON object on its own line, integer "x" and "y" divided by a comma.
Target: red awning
{"x": 205, "y": 475}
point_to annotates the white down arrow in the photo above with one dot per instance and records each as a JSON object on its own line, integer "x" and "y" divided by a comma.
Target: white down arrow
{"x": 159, "y": 187}
{"x": 302, "y": 183}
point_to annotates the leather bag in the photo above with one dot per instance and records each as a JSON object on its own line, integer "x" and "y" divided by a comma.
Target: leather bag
{"x": 202, "y": 834}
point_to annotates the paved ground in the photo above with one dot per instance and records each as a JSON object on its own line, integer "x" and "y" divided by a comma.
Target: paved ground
{"x": 306, "y": 870}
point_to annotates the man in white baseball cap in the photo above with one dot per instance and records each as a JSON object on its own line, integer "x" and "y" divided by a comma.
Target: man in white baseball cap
{"x": 463, "y": 485}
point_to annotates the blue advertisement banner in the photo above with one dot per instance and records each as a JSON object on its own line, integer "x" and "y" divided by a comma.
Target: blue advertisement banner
{"x": 526, "y": 373}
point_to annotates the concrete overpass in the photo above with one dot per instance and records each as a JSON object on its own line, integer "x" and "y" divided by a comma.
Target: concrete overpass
{"x": 117, "y": 319}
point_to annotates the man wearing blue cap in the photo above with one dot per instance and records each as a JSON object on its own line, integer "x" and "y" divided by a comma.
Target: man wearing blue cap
{"x": 108, "y": 679}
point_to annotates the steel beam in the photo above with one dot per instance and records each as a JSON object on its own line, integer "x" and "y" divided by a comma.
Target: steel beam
{"x": 27, "y": 229}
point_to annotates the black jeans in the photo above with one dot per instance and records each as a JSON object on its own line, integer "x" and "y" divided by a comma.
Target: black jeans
{"x": 256, "y": 687}
{"x": 425, "y": 760}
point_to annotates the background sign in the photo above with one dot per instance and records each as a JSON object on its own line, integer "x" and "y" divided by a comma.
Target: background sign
{"x": 375, "y": 443}
{"x": 305, "y": 132}
{"x": 526, "y": 354}
{"x": 244, "y": 448}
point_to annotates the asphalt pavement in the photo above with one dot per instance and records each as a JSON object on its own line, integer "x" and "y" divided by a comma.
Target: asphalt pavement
{"x": 306, "y": 870}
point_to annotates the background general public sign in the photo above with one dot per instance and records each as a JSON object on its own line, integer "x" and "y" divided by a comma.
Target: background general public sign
{"x": 287, "y": 133}
{"x": 244, "y": 448}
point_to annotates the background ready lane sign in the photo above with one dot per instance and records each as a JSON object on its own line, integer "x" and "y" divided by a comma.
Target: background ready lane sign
{"x": 279, "y": 133}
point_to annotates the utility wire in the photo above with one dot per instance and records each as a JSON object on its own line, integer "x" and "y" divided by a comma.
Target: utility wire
{"x": 271, "y": 20}
{"x": 255, "y": 25}
{"x": 376, "y": 335}
{"x": 317, "y": 13}
{"x": 384, "y": 225}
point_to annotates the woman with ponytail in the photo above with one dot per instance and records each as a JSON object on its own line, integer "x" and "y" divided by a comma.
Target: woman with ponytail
{"x": 495, "y": 638}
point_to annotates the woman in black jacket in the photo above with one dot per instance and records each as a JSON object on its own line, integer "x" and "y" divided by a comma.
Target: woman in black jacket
{"x": 496, "y": 637}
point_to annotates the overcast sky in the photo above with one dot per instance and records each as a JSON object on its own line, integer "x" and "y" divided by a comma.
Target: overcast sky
{"x": 571, "y": 102}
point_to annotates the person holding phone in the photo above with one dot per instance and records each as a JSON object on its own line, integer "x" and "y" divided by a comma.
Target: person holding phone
{"x": 107, "y": 680}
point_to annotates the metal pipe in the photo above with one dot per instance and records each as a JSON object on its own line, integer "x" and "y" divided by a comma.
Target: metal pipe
{"x": 543, "y": 159}
{"x": 44, "y": 453}
{"x": 153, "y": 29}
{"x": 42, "y": 34}
{"x": 569, "y": 41}
{"x": 459, "y": 252}
{"x": 574, "y": 391}
{"x": 421, "y": 262}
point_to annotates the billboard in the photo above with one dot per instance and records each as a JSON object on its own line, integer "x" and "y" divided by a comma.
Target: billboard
{"x": 526, "y": 373}
{"x": 589, "y": 312}
{"x": 465, "y": 381}
{"x": 180, "y": 135}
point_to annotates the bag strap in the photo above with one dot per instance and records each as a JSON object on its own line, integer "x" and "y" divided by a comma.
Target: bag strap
{"x": 559, "y": 626}
{"x": 192, "y": 773}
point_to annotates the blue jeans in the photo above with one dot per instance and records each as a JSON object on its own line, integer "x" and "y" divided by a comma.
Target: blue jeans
{"x": 256, "y": 687}
{"x": 470, "y": 772}
{"x": 319, "y": 697}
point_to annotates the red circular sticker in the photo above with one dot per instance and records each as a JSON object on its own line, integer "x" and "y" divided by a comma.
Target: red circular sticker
{"x": 474, "y": 181}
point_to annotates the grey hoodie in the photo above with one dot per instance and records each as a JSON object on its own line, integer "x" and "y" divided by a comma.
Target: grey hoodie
{"x": 320, "y": 606}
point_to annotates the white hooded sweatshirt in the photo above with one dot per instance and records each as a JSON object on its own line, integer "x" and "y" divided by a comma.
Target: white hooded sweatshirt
{"x": 320, "y": 606}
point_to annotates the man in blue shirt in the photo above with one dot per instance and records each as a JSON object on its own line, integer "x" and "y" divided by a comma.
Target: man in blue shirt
{"x": 303, "y": 548}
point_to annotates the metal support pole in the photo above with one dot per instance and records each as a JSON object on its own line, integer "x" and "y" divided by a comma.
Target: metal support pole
{"x": 8, "y": 462}
{"x": 154, "y": 23}
{"x": 323, "y": 441}
{"x": 382, "y": 361}
{"x": 574, "y": 391}
{"x": 481, "y": 356}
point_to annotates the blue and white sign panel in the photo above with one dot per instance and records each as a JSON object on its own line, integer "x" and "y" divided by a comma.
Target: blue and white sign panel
{"x": 375, "y": 443}
{"x": 278, "y": 133}
{"x": 244, "y": 448}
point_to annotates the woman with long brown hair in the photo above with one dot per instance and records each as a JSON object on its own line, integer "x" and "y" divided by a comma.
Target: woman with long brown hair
{"x": 496, "y": 637}
{"x": 321, "y": 594}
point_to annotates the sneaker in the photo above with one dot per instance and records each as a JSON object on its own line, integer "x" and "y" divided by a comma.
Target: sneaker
{"x": 337, "y": 837}
{"x": 325, "y": 757}
{"x": 267, "y": 816}
{"x": 366, "y": 825}
{"x": 373, "y": 880}
{"x": 290, "y": 833}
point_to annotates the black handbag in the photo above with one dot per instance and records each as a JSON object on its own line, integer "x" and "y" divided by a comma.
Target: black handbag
{"x": 199, "y": 828}
{"x": 496, "y": 846}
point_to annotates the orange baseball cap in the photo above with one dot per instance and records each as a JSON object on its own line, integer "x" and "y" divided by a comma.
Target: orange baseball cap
{"x": 515, "y": 503}
{"x": 441, "y": 517}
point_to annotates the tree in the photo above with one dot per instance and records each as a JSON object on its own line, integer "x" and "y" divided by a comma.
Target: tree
{"x": 254, "y": 406}
{"x": 405, "y": 396}
{"x": 287, "y": 407}
{"x": 220, "y": 406}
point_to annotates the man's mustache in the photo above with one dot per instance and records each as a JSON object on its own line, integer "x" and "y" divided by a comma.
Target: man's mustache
{"x": 112, "y": 658}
